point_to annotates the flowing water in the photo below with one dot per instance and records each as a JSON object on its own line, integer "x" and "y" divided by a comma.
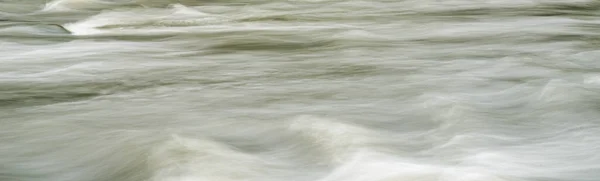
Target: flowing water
{"x": 299, "y": 90}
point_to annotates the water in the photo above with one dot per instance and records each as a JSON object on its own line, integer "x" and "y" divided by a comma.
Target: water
{"x": 299, "y": 90}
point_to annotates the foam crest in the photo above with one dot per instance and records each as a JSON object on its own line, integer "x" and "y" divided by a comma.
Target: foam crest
{"x": 187, "y": 159}
{"x": 143, "y": 22}
{"x": 336, "y": 139}
{"x": 375, "y": 166}
{"x": 83, "y": 5}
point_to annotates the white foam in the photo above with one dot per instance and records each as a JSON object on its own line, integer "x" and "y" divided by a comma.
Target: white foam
{"x": 81, "y": 5}
{"x": 142, "y": 22}
{"x": 187, "y": 159}
{"x": 338, "y": 140}
{"x": 592, "y": 80}
{"x": 375, "y": 166}
{"x": 95, "y": 24}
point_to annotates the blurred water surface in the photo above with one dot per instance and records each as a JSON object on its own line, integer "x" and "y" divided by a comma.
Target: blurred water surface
{"x": 299, "y": 90}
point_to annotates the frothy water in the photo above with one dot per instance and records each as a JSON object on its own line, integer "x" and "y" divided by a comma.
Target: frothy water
{"x": 299, "y": 90}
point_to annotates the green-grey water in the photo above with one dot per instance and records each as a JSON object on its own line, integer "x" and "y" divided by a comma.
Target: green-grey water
{"x": 299, "y": 90}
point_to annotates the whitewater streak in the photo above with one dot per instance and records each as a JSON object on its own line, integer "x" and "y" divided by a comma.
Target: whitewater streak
{"x": 299, "y": 90}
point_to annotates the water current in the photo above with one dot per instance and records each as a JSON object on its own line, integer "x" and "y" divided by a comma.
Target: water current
{"x": 299, "y": 90}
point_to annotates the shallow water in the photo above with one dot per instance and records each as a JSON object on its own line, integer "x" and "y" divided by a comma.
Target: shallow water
{"x": 299, "y": 90}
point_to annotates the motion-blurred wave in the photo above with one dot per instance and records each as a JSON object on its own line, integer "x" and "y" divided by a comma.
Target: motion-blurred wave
{"x": 301, "y": 90}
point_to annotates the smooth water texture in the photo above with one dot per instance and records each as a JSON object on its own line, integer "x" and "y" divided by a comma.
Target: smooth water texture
{"x": 299, "y": 90}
